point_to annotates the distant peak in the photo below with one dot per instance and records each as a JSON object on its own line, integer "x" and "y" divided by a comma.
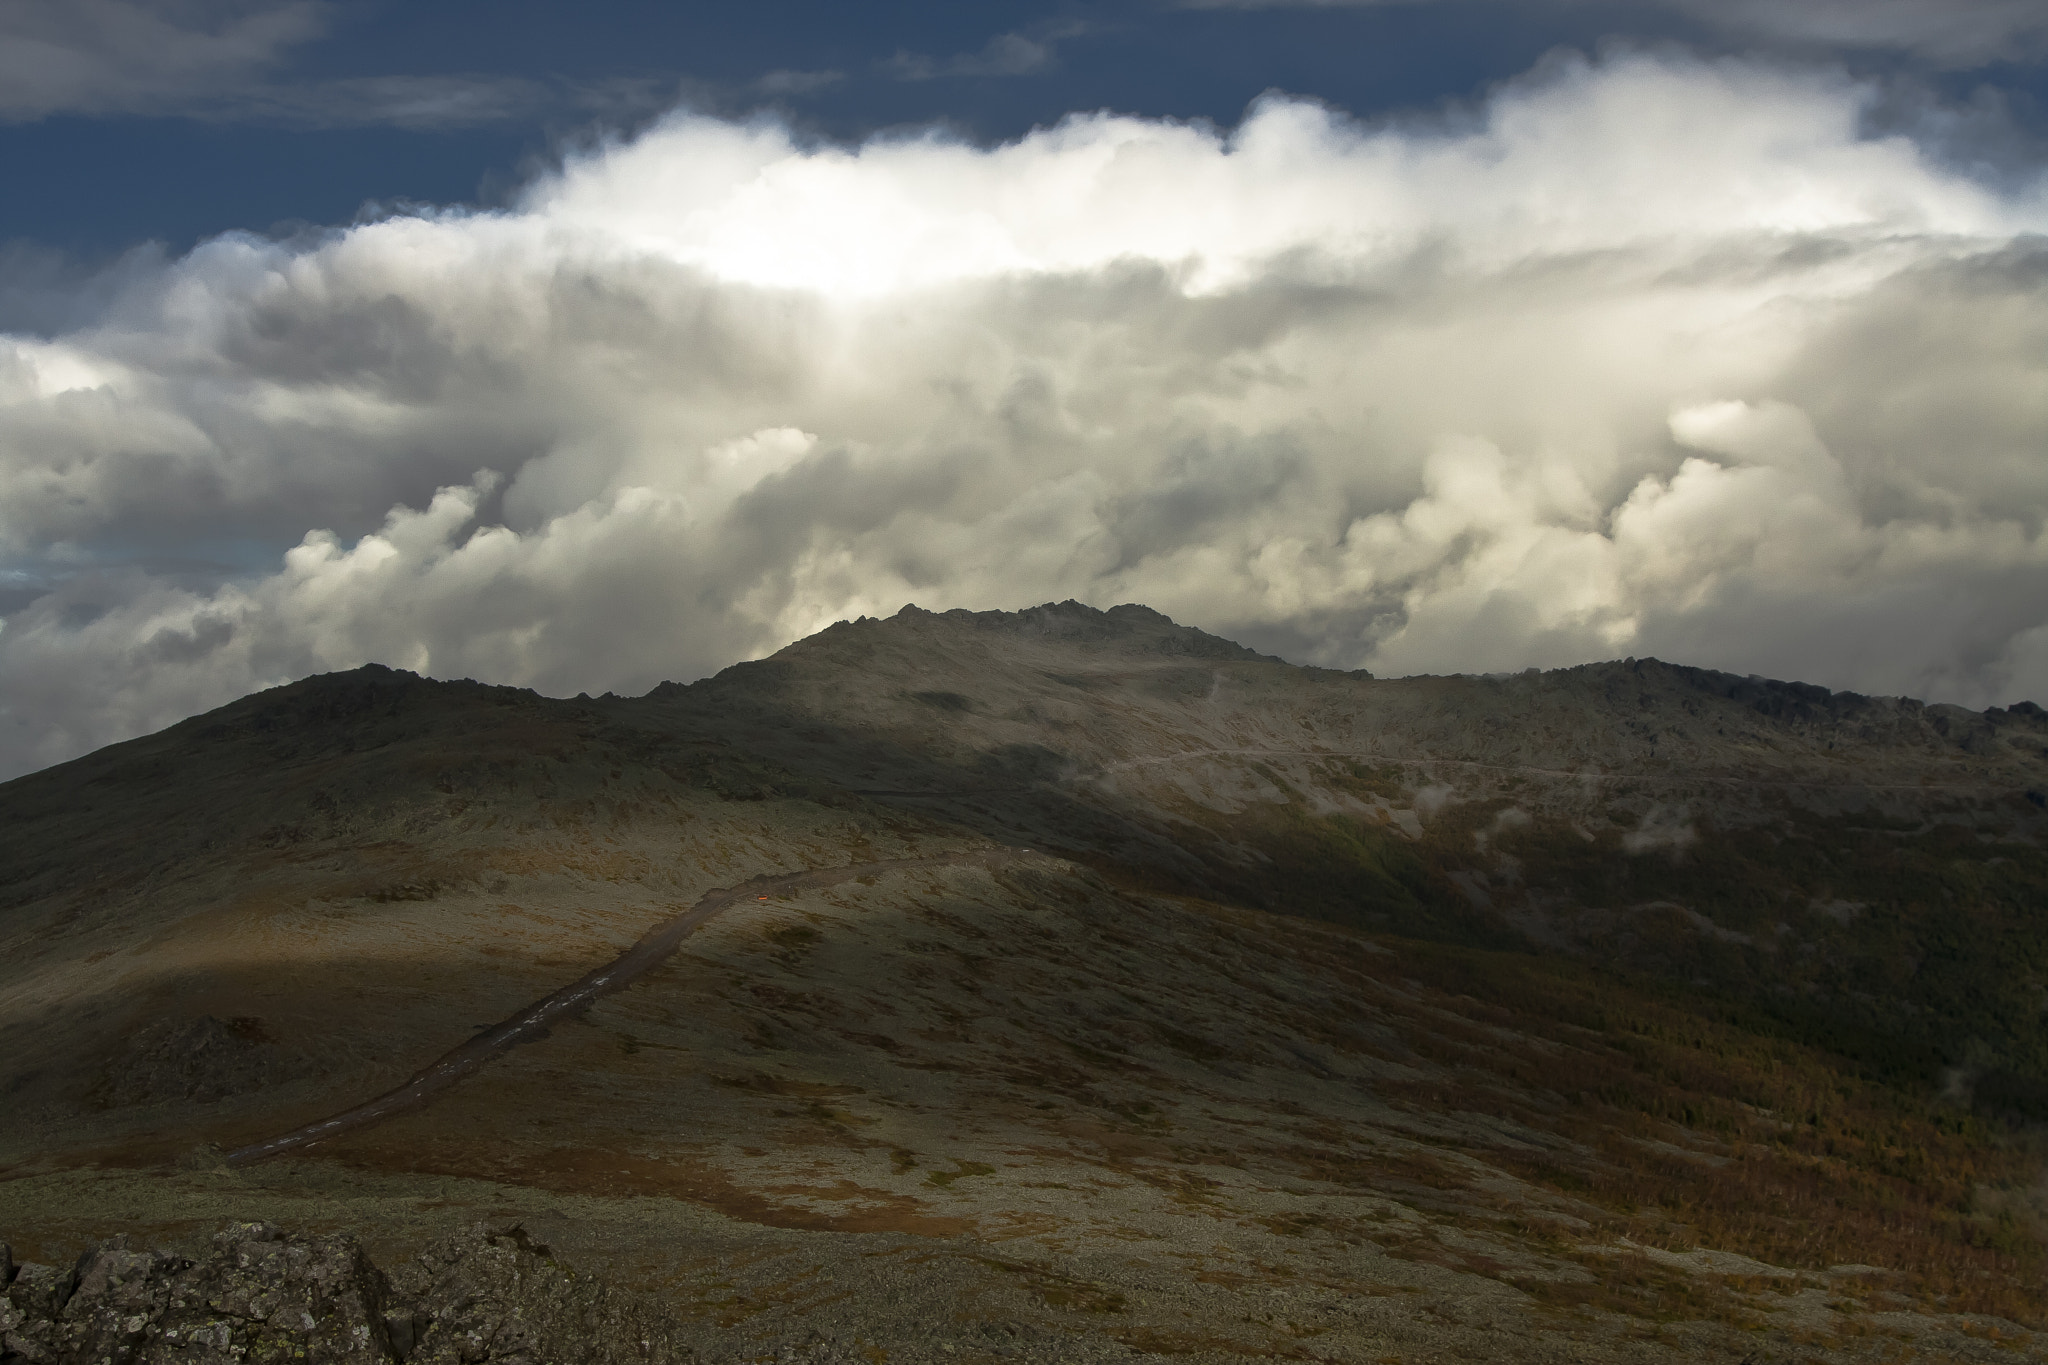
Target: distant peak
{"x": 1128, "y": 625}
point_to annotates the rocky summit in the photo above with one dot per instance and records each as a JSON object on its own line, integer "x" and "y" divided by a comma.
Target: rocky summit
{"x": 1050, "y": 985}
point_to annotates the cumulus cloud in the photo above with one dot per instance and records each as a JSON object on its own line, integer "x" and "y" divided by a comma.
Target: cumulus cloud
{"x": 1649, "y": 355}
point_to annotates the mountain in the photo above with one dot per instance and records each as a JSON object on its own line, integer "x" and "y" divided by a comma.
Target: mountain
{"x": 1081, "y": 985}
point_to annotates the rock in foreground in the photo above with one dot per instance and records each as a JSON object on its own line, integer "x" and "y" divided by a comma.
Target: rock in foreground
{"x": 261, "y": 1296}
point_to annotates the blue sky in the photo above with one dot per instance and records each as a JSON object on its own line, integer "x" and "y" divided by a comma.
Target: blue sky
{"x": 333, "y": 106}
{"x": 583, "y": 347}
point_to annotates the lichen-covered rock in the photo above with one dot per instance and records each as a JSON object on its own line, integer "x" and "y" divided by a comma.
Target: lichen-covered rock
{"x": 28, "y": 1309}
{"x": 260, "y": 1297}
{"x": 503, "y": 1298}
{"x": 263, "y": 1298}
{"x": 819, "y": 1350}
{"x": 118, "y": 1303}
{"x": 281, "y": 1298}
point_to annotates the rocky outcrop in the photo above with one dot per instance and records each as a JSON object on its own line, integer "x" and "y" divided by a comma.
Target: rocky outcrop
{"x": 260, "y": 1296}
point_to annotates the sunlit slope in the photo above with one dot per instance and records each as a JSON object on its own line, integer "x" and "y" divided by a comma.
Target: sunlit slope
{"x": 1029, "y": 1057}
{"x": 318, "y": 889}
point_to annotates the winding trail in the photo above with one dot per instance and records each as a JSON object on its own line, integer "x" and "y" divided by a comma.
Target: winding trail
{"x": 531, "y": 1023}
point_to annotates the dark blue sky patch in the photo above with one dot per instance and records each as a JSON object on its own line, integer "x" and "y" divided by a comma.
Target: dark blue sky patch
{"x": 456, "y": 102}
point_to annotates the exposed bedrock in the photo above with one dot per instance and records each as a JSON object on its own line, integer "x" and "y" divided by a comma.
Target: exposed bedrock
{"x": 262, "y": 1296}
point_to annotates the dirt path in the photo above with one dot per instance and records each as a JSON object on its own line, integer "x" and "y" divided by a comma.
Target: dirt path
{"x": 654, "y": 948}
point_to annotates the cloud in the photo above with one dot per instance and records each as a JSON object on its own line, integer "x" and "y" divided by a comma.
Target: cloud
{"x": 1006, "y": 54}
{"x": 1954, "y": 33}
{"x": 1960, "y": 33}
{"x": 1295, "y": 5}
{"x": 1649, "y": 356}
{"x": 786, "y": 82}
{"x": 214, "y": 60}
{"x": 136, "y": 56}
{"x": 457, "y": 100}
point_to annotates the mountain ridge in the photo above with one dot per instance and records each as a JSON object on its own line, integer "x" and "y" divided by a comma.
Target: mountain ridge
{"x": 1636, "y": 953}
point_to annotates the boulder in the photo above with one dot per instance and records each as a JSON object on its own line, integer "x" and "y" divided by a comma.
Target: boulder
{"x": 261, "y": 1297}
{"x": 503, "y": 1297}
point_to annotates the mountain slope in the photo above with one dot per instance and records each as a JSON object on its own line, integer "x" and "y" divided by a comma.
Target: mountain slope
{"x": 1504, "y": 1010}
